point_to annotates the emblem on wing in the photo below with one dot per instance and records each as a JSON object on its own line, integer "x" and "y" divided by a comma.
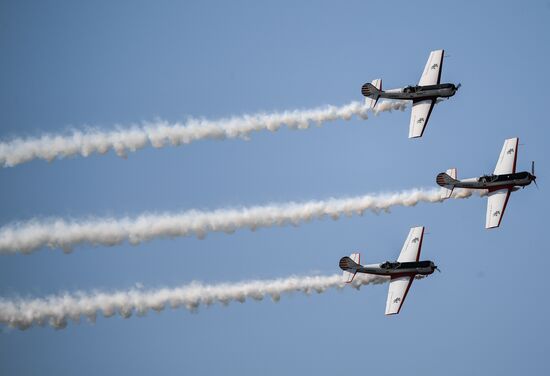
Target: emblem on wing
{"x": 435, "y": 66}
{"x": 510, "y": 151}
{"x": 496, "y": 214}
{"x": 421, "y": 120}
{"x": 397, "y": 300}
{"x": 415, "y": 240}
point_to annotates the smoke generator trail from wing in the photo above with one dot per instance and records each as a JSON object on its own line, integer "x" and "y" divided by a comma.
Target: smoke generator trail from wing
{"x": 26, "y": 237}
{"x": 56, "y": 310}
{"x": 161, "y": 133}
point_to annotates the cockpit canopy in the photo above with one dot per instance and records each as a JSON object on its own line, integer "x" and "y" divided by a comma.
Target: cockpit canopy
{"x": 487, "y": 178}
{"x": 415, "y": 89}
{"x": 410, "y": 89}
{"x": 498, "y": 178}
{"x": 390, "y": 265}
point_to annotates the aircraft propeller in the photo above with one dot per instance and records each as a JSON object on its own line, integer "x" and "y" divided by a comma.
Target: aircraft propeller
{"x": 533, "y": 174}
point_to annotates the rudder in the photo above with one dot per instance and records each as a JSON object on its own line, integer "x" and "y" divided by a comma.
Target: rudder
{"x": 372, "y": 92}
{"x": 350, "y": 265}
{"x": 447, "y": 181}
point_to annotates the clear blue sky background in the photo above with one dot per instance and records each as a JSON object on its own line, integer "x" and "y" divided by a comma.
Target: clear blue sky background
{"x": 66, "y": 64}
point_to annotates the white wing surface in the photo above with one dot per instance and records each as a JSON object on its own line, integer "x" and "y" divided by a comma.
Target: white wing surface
{"x": 432, "y": 70}
{"x": 496, "y": 204}
{"x": 506, "y": 163}
{"x": 411, "y": 249}
{"x": 399, "y": 287}
{"x": 421, "y": 111}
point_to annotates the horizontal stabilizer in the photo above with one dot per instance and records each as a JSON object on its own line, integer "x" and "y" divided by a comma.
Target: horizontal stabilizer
{"x": 350, "y": 265}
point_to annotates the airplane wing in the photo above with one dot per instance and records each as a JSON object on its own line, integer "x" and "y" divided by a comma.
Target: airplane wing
{"x": 506, "y": 163}
{"x": 399, "y": 287}
{"x": 496, "y": 204}
{"x": 411, "y": 249}
{"x": 432, "y": 70}
{"x": 421, "y": 111}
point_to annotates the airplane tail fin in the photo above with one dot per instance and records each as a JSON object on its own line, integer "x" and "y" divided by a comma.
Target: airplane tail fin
{"x": 372, "y": 92}
{"x": 447, "y": 181}
{"x": 350, "y": 265}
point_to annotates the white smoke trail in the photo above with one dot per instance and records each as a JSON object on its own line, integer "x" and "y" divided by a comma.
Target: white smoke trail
{"x": 28, "y": 236}
{"x": 161, "y": 133}
{"x": 56, "y": 310}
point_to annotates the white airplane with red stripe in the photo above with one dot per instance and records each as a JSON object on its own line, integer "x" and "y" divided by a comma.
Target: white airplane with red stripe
{"x": 499, "y": 185}
{"x": 423, "y": 96}
{"x": 401, "y": 272}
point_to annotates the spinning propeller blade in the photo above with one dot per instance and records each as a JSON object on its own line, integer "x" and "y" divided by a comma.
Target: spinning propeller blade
{"x": 533, "y": 174}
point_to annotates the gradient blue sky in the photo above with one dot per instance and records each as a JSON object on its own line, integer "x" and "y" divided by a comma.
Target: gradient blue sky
{"x": 66, "y": 64}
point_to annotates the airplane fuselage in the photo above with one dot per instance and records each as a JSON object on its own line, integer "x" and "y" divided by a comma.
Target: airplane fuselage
{"x": 418, "y": 93}
{"x": 495, "y": 182}
{"x": 395, "y": 269}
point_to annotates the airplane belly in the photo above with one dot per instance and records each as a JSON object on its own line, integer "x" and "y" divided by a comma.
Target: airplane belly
{"x": 425, "y": 271}
{"x": 470, "y": 185}
{"x": 522, "y": 182}
{"x": 375, "y": 271}
{"x": 446, "y": 93}
{"x": 429, "y": 94}
{"x": 403, "y": 272}
{"x": 398, "y": 96}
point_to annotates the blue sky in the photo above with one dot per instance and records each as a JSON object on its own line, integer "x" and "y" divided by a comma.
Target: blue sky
{"x": 65, "y": 64}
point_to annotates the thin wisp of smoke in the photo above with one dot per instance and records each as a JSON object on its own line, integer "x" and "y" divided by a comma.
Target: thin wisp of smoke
{"x": 57, "y": 310}
{"x": 162, "y": 133}
{"x": 29, "y": 236}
